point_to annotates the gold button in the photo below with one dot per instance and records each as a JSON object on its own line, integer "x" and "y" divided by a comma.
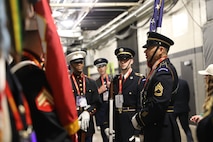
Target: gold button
{"x": 21, "y": 109}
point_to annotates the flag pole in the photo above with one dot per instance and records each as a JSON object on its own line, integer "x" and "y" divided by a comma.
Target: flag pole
{"x": 111, "y": 113}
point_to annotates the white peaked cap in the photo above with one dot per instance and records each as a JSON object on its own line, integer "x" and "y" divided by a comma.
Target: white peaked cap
{"x": 75, "y": 55}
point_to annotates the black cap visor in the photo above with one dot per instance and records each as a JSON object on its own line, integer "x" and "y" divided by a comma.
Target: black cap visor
{"x": 150, "y": 43}
{"x": 80, "y": 60}
{"x": 124, "y": 57}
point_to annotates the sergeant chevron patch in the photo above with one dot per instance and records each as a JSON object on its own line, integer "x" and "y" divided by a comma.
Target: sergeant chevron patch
{"x": 158, "y": 90}
{"x": 44, "y": 101}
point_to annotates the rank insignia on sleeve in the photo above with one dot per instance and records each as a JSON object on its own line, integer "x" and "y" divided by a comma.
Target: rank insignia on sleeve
{"x": 44, "y": 101}
{"x": 158, "y": 90}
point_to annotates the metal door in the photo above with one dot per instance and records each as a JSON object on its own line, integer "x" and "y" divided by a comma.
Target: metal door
{"x": 187, "y": 74}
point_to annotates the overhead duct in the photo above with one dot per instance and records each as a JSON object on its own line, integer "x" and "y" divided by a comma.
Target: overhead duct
{"x": 124, "y": 33}
{"x": 119, "y": 17}
{"x": 100, "y": 4}
{"x": 143, "y": 11}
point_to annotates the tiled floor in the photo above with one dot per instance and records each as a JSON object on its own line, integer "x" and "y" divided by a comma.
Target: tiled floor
{"x": 183, "y": 136}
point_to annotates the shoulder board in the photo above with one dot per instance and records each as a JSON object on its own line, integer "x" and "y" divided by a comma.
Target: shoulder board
{"x": 140, "y": 75}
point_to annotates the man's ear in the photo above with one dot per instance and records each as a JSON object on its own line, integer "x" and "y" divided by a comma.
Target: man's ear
{"x": 162, "y": 49}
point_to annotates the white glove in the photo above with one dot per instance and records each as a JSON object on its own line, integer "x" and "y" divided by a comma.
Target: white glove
{"x": 135, "y": 138}
{"x": 135, "y": 123}
{"x": 107, "y": 132}
{"x": 84, "y": 118}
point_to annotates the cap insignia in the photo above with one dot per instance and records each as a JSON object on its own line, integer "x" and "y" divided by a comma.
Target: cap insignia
{"x": 121, "y": 50}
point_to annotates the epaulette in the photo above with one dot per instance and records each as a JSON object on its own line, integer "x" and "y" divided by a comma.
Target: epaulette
{"x": 140, "y": 75}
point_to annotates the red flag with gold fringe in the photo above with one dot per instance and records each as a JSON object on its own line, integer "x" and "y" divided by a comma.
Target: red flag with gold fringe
{"x": 56, "y": 68}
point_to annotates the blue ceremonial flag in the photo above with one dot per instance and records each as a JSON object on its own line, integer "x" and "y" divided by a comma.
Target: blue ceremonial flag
{"x": 156, "y": 20}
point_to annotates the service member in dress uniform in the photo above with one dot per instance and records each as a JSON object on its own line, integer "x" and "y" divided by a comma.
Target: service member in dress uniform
{"x": 156, "y": 116}
{"x": 86, "y": 94}
{"x": 126, "y": 92}
{"x": 20, "y": 122}
{"x": 31, "y": 75}
{"x": 103, "y": 83}
{"x": 182, "y": 108}
{"x": 15, "y": 119}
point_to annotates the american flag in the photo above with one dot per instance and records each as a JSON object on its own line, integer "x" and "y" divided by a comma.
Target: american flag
{"x": 156, "y": 20}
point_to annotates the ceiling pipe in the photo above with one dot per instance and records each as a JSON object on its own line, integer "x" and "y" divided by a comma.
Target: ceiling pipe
{"x": 118, "y": 18}
{"x": 143, "y": 11}
{"x": 145, "y": 7}
{"x": 84, "y": 13}
{"x": 79, "y": 5}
